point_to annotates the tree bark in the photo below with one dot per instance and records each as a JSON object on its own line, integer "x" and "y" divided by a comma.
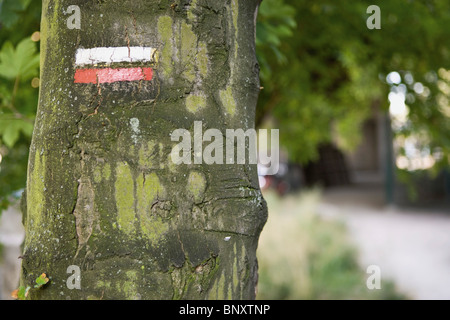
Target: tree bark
{"x": 102, "y": 191}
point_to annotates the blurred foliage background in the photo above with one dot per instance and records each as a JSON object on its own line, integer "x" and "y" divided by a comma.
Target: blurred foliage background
{"x": 323, "y": 73}
{"x": 323, "y": 70}
{"x": 19, "y": 83}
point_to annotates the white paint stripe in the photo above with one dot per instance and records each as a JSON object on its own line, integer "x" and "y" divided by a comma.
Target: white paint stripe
{"x": 113, "y": 54}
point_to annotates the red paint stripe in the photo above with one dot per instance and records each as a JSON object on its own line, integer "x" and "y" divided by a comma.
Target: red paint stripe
{"x": 148, "y": 74}
{"x": 108, "y": 75}
{"x": 85, "y": 76}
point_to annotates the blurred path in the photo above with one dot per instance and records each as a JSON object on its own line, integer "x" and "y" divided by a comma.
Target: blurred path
{"x": 411, "y": 246}
{"x": 11, "y": 237}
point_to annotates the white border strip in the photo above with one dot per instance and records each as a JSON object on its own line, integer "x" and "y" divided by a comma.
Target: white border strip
{"x": 113, "y": 54}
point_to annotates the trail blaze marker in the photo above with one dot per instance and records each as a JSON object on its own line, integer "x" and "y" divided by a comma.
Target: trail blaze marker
{"x": 107, "y": 55}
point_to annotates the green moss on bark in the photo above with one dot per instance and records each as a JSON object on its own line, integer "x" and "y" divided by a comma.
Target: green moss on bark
{"x": 148, "y": 190}
{"x": 228, "y": 102}
{"x": 197, "y": 185}
{"x": 195, "y": 102}
{"x": 166, "y": 36}
{"x": 124, "y": 197}
{"x": 188, "y": 51}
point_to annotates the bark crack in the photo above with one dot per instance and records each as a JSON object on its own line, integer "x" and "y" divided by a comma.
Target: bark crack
{"x": 84, "y": 211}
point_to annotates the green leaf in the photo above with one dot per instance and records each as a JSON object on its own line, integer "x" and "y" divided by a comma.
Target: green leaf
{"x": 5, "y": 95}
{"x": 8, "y": 12}
{"x": 24, "y": 3}
{"x": 23, "y": 61}
{"x": 27, "y": 128}
{"x": 8, "y": 69}
{"x": 10, "y": 130}
{"x": 11, "y": 134}
{"x": 27, "y": 59}
{"x": 10, "y": 9}
{"x": 21, "y": 293}
{"x": 41, "y": 280}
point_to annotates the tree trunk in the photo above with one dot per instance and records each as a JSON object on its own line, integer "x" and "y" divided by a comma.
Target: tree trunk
{"x": 103, "y": 193}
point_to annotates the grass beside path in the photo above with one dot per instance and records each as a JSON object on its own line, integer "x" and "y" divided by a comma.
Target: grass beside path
{"x": 303, "y": 256}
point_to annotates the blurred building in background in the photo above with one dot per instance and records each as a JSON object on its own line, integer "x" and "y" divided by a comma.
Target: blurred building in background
{"x": 373, "y": 164}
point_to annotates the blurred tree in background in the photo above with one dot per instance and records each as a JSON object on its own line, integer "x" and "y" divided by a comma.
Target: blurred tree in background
{"x": 324, "y": 76}
{"x": 323, "y": 73}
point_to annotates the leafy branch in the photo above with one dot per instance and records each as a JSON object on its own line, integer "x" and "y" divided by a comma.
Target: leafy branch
{"x": 22, "y": 292}
{"x": 16, "y": 65}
